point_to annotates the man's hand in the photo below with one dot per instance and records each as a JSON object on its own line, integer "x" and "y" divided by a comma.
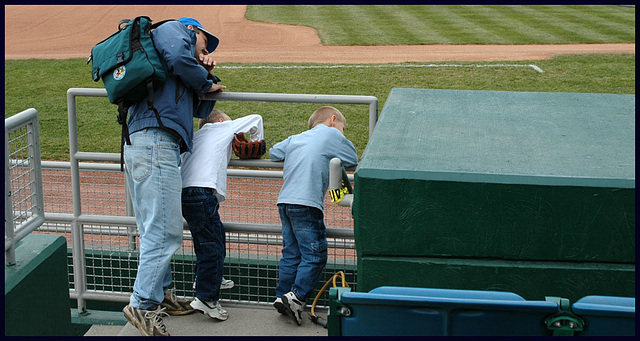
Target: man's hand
{"x": 214, "y": 88}
{"x": 206, "y": 60}
{"x": 217, "y": 87}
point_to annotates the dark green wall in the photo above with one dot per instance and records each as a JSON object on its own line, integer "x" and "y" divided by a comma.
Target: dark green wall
{"x": 532, "y": 193}
{"x": 36, "y": 289}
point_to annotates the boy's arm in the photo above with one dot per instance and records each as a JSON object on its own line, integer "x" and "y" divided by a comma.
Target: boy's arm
{"x": 277, "y": 152}
{"x": 344, "y": 149}
{"x": 250, "y": 124}
{"x": 348, "y": 154}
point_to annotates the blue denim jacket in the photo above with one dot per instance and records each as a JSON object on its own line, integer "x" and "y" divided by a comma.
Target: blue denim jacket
{"x": 177, "y": 99}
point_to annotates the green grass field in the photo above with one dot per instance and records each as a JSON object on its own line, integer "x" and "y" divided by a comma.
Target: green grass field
{"x": 455, "y": 24}
{"x": 42, "y": 84}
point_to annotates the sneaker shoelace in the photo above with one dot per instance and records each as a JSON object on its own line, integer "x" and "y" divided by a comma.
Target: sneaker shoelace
{"x": 154, "y": 316}
{"x": 172, "y": 295}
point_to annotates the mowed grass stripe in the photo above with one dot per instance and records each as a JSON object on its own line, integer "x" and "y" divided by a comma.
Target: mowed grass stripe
{"x": 606, "y": 26}
{"x": 569, "y": 24}
{"x": 411, "y": 26}
{"x": 365, "y": 21}
{"x": 530, "y": 25}
{"x": 465, "y": 24}
{"x": 456, "y": 24}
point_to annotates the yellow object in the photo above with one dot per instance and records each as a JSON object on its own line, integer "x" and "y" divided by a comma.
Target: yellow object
{"x": 338, "y": 194}
{"x": 332, "y": 279}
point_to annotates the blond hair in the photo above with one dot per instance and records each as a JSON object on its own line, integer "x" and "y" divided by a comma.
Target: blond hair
{"x": 214, "y": 117}
{"x": 324, "y": 113}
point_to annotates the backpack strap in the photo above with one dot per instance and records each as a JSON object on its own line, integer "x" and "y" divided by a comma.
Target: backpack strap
{"x": 123, "y": 111}
{"x": 154, "y": 25}
{"x": 122, "y": 119}
{"x": 150, "y": 103}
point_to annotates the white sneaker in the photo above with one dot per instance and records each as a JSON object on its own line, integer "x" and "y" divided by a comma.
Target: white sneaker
{"x": 211, "y": 309}
{"x": 294, "y": 306}
{"x": 225, "y": 284}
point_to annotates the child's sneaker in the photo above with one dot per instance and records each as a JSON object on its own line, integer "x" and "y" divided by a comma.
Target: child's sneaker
{"x": 211, "y": 309}
{"x": 280, "y": 306}
{"x": 148, "y": 322}
{"x": 226, "y": 284}
{"x": 294, "y": 306}
{"x": 174, "y": 305}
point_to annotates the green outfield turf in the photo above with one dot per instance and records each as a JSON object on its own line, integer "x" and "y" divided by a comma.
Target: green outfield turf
{"x": 455, "y": 24}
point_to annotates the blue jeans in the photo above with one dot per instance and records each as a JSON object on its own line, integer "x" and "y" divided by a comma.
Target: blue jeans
{"x": 304, "y": 249}
{"x": 200, "y": 209}
{"x": 155, "y": 184}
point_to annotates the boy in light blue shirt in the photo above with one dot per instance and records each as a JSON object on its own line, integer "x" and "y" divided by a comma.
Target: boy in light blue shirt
{"x": 301, "y": 202}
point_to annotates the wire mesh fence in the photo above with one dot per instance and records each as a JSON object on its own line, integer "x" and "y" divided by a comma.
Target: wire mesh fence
{"x": 110, "y": 255}
{"x": 24, "y": 211}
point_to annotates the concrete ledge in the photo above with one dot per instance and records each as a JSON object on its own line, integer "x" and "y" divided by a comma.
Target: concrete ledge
{"x": 98, "y": 317}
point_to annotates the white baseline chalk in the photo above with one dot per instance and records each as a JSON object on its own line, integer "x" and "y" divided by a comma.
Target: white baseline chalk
{"x": 536, "y": 68}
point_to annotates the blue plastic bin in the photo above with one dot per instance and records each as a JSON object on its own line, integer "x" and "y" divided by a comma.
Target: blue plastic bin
{"x": 402, "y": 311}
{"x": 607, "y": 315}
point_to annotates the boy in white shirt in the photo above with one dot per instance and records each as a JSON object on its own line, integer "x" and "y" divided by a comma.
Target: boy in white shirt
{"x": 204, "y": 186}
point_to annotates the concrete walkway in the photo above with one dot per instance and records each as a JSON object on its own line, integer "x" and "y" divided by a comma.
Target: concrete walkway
{"x": 244, "y": 320}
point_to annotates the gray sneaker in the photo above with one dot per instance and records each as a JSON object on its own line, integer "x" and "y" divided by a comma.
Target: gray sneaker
{"x": 148, "y": 322}
{"x": 175, "y": 305}
{"x": 294, "y": 306}
{"x": 211, "y": 309}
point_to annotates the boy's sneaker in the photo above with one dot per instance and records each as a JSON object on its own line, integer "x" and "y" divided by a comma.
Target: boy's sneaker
{"x": 212, "y": 309}
{"x": 174, "y": 305}
{"x": 280, "y": 306}
{"x": 226, "y": 284}
{"x": 148, "y": 322}
{"x": 294, "y": 306}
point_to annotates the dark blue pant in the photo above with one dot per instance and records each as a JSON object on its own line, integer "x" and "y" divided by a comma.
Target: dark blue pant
{"x": 200, "y": 210}
{"x": 304, "y": 249}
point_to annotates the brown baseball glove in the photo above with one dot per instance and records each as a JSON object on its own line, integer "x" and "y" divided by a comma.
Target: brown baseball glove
{"x": 248, "y": 150}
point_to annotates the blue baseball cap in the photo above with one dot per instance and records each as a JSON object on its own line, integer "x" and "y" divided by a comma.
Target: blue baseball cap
{"x": 212, "y": 40}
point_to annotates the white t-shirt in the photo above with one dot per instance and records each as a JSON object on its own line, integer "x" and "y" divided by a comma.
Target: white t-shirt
{"x": 206, "y": 164}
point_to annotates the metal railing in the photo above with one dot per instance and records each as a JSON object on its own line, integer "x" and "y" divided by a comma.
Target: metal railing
{"x": 24, "y": 205}
{"x": 102, "y": 231}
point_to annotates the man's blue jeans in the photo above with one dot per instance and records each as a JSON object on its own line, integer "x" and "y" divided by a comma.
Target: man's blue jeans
{"x": 200, "y": 209}
{"x": 304, "y": 249}
{"x": 155, "y": 185}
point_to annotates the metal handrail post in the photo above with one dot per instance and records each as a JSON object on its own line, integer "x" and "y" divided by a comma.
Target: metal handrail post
{"x": 77, "y": 235}
{"x": 9, "y": 241}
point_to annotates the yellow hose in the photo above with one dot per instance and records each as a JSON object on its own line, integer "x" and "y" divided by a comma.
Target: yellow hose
{"x": 332, "y": 279}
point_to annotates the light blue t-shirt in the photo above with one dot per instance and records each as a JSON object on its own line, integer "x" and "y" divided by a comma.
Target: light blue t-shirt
{"x": 306, "y": 163}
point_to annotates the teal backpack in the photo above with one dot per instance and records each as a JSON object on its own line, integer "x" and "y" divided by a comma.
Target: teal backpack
{"x": 130, "y": 68}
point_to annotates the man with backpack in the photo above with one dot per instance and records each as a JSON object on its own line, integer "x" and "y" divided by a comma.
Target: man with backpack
{"x": 152, "y": 165}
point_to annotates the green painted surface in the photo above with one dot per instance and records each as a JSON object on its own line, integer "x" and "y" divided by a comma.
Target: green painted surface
{"x": 484, "y": 176}
{"x": 31, "y": 308}
{"x": 531, "y": 280}
{"x": 505, "y": 221}
{"x": 504, "y": 137}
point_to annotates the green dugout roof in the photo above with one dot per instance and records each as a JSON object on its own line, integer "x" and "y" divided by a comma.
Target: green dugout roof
{"x": 567, "y": 139}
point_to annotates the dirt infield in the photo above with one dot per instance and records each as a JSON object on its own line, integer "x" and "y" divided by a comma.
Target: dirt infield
{"x": 62, "y": 31}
